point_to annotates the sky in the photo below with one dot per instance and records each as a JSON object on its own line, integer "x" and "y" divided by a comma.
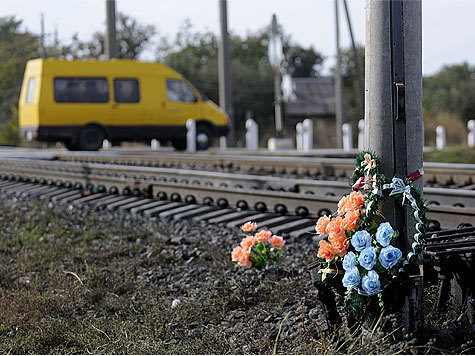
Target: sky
{"x": 448, "y": 25}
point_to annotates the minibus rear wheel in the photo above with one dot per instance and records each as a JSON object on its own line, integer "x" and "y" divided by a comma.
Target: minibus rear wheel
{"x": 70, "y": 145}
{"x": 91, "y": 138}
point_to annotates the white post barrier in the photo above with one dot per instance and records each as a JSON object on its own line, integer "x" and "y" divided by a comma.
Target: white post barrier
{"x": 307, "y": 136}
{"x": 223, "y": 145}
{"x": 361, "y": 135}
{"x": 191, "y": 135}
{"x": 440, "y": 140}
{"x": 252, "y": 135}
{"x": 471, "y": 133}
{"x": 299, "y": 136}
{"x": 106, "y": 144}
{"x": 154, "y": 144}
{"x": 347, "y": 137}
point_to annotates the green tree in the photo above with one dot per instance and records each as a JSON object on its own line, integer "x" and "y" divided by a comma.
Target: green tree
{"x": 133, "y": 38}
{"x": 194, "y": 55}
{"x": 451, "y": 90}
{"x": 17, "y": 46}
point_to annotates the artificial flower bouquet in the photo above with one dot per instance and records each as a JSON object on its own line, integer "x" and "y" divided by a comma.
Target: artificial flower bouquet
{"x": 356, "y": 241}
{"x": 256, "y": 249}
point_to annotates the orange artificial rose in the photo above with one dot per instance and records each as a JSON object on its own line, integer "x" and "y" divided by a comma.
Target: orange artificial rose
{"x": 236, "y": 253}
{"x": 326, "y": 251}
{"x": 277, "y": 241}
{"x": 322, "y": 224}
{"x": 244, "y": 259}
{"x": 355, "y": 201}
{"x": 351, "y": 220}
{"x": 342, "y": 205}
{"x": 263, "y": 236}
{"x": 335, "y": 226}
{"x": 248, "y": 242}
{"x": 340, "y": 246}
{"x": 249, "y": 226}
{"x": 337, "y": 236}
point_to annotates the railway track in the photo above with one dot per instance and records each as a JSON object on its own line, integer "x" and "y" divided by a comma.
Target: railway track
{"x": 289, "y": 198}
{"x": 436, "y": 174}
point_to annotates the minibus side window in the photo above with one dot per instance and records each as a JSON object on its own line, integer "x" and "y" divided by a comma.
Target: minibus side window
{"x": 81, "y": 90}
{"x": 177, "y": 90}
{"x": 126, "y": 90}
{"x": 30, "y": 90}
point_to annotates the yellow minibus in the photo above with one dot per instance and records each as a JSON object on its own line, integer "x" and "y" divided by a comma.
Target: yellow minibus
{"x": 81, "y": 103}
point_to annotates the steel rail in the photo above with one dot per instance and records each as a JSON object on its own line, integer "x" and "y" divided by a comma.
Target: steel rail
{"x": 89, "y": 176}
{"x": 433, "y": 196}
{"x": 435, "y": 173}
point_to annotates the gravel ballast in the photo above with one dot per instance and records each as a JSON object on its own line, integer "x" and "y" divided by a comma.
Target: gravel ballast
{"x": 76, "y": 281}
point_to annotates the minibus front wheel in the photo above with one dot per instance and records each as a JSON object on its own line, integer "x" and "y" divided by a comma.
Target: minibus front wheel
{"x": 204, "y": 137}
{"x": 91, "y": 138}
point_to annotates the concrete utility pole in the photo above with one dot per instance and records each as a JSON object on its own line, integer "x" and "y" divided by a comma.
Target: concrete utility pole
{"x": 356, "y": 59}
{"x": 111, "y": 37}
{"x": 393, "y": 113}
{"x": 42, "y": 38}
{"x": 224, "y": 71}
{"x": 338, "y": 83}
{"x": 276, "y": 62}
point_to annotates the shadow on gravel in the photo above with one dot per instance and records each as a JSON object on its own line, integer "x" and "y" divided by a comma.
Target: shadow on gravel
{"x": 77, "y": 282}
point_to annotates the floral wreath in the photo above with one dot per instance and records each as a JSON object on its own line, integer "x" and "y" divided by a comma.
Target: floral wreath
{"x": 361, "y": 246}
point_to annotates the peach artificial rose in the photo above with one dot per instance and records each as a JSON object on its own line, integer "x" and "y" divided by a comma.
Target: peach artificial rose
{"x": 277, "y": 241}
{"x": 340, "y": 247}
{"x": 351, "y": 220}
{"x": 333, "y": 237}
{"x": 322, "y": 224}
{"x": 249, "y": 226}
{"x": 248, "y": 242}
{"x": 263, "y": 236}
{"x": 236, "y": 253}
{"x": 244, "y": 259}
{"x": 355, "y": 201}
{"x": 335, "y": 226}
{"x": 326, "y": 251}
{"x": 342, "y": 205}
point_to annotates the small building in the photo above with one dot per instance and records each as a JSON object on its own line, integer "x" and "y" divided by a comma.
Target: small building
{"x": 314, "y": 99}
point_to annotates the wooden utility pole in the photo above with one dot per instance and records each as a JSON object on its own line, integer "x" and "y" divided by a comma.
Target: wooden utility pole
{"x": 393, "y": 113}
{"x": 338, "y": 82}
{"x": 111, "y": 37}
{"x": 224, "y": 71}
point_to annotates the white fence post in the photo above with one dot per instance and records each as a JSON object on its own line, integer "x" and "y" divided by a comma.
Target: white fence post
{"x": 191, "y": 135}
{"x": 106, "y": 144}
{"x": 299, "y": 136}
{"x": 252, "y": 135}
{"x": 440, "y": 140}
{"x": 223, "y": 144}
{"x": 307, "y": 139}
{"x": 347, "y": 137}
{"x": 361, "y": 135}
{"x": 471, "y": 133}
{"x": 154, "y": 144}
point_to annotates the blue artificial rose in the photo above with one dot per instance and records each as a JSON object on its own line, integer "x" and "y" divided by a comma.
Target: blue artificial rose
{"x": 361, "y": 240}
{"x": 367, "y": 258}
{"x": 349, "y": 261}
{"x": 370, "y": 283}
{"x": 389, "y": 256}
{"x": 351, "y": 279}
{"x": 384, "y": 234}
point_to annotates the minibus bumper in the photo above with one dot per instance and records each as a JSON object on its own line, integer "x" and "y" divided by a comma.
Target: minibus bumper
{"x": 221, "y": 130}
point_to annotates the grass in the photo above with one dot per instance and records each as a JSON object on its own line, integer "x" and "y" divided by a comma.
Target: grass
{"x": 455, "y": 154}
{"x": 69, "y": 285}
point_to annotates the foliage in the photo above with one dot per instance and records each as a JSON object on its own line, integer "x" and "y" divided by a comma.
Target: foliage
{"x": 17, "y": 46}
{"x": 132, "y": 37}
{"x": 457, "y": 154}
{"x": 195, "y": 56}
{"x": 451, "y": 90}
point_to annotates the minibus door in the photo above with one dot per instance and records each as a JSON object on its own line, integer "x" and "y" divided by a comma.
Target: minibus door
{"x": 127, "y": 108}
{"x": 182, "y": 103}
